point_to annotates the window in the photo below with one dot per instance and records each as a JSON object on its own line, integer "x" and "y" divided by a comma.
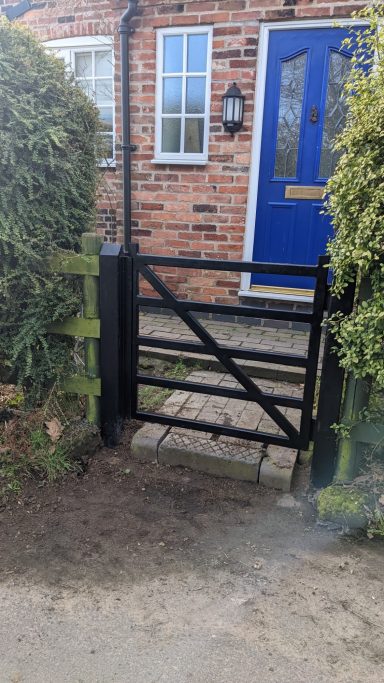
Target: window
{"x": 183, "y": 88}
{"x": 91, "y": 60}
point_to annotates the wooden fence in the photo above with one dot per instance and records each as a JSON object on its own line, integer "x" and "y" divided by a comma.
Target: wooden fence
{"x": 88, "y": 326}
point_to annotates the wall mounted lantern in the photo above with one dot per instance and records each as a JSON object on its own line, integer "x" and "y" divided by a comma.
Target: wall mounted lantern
{"x": 233, "y": 109}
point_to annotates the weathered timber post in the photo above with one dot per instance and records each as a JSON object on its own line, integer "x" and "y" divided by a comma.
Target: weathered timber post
{"x": 91, "y": 244}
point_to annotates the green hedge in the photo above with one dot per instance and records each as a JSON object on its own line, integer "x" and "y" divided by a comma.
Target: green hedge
{"x": 48, "y": 176}
{"x": 356, "y": 204}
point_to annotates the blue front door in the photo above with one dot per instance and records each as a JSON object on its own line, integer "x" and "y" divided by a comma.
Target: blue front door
{"x": 303, "y": 112}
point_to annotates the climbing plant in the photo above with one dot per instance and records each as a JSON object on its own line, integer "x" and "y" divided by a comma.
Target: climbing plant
{"x": 48, "y": 176}
{"x": 356, "y": 203}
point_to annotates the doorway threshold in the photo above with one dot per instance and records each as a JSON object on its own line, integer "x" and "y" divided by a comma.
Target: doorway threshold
{"x": 278, "y": 293}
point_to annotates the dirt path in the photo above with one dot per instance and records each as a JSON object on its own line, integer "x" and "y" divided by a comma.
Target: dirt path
{"x": 157, "y": 575}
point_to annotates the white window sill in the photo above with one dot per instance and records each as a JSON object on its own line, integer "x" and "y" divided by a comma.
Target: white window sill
{"x": 106, "y": 164}
{"x": 180, "y": 162}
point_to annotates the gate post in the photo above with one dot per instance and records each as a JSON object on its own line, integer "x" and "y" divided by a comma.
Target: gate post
{"x": 330, "y": 397}
{"x": 110, "y": 343}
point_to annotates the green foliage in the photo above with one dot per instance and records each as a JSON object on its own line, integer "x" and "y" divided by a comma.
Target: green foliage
{"x": 48, "y": 175}
{"x": 356, "y": 204}
{"x": 50, "y": 461}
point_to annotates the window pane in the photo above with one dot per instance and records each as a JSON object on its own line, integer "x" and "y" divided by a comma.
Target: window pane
{"x": 173, "y": 54}
{"x": 172, "y": 95}
{"x": 195, "y": 96}
{"x": 106, "y": 118}
{"x": 83, "y": 64}
{"x": 86, "y": 86}
{"x": 197, "y": 52}
{"x": 194, "y": 136}
{"x": 103, "y": 91}
{"x": 335, "y": 111}
{"x": 105, "y": 146}
{"x": 289, "y": 120}
{"x": 171, "y": 135}
{"x": 103, "y": 63}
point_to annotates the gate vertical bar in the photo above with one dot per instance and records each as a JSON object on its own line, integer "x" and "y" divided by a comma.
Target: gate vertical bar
{"x": 111, "y": 343}
{"x": 134, "y": 331}
{"x": 129, "y": 342}
{"x": 319, "y": 303}
{"x": 330, "y": 397}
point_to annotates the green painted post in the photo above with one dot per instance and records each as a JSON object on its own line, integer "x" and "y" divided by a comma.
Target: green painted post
{"x": 91, "y": 245}
{"x": 356, "y": 398}
{"x": 357, "y": 394}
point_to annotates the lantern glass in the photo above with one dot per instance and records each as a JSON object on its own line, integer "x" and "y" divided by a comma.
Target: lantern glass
{"x": 233, "y": 109}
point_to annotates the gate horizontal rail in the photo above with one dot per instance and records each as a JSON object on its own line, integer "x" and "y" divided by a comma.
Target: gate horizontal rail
{"x": 228, "y": 309}
{"x": 136, "y": 265}
{"x": 214, "y": 390}
{"x": 234, "y": 266}
{"x": 243, "y": 354}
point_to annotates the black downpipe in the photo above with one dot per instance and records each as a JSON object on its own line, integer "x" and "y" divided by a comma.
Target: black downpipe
{"x": 125, "y": 30}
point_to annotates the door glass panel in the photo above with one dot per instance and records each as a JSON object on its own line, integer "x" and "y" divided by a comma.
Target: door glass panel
{"x": 335, "y": 111}
{"x": 289, "y": 119}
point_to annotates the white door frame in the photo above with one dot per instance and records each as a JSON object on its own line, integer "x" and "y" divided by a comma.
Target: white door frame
{"x": 261, "y": 74}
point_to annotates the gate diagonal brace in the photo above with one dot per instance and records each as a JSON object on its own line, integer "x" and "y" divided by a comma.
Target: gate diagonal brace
{"x": 253, "y": 392}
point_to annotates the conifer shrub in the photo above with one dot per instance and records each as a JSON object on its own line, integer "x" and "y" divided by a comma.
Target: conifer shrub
{"x": 48, "y": 176}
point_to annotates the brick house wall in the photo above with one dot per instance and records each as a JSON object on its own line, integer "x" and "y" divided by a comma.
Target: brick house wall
{"x": 194, "y": 211}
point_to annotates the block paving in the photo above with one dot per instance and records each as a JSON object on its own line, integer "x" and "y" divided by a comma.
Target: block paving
{"x": 236, "y": 334}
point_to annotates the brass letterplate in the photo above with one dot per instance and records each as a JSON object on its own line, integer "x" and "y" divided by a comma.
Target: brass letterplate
{"x": 304, "y": 192}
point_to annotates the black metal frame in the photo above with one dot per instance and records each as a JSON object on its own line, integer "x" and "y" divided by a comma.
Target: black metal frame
{"x": 135, "y": 264}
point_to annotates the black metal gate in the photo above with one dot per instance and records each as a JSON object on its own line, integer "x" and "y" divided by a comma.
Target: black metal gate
{"x": 120, "y": 305}
{"x": 136, "y": 264}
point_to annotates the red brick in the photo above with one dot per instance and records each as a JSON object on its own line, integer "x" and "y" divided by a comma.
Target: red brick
{"x": 193, "y": 210}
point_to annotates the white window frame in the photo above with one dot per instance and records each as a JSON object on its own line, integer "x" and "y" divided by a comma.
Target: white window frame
{"x": 181, "y": 157}
{"x": 67, "y": 48}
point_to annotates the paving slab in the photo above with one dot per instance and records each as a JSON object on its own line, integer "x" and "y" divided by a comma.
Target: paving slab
{"x": 146, "y": 441}
{"x": 217, "y": 454}
{"x": 276, "y": 469}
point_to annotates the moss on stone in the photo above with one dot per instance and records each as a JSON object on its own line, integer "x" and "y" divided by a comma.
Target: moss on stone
{"x": 344, "y": 505}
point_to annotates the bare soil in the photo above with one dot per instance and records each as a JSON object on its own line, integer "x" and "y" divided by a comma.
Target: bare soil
{"x": 135, "y": 572}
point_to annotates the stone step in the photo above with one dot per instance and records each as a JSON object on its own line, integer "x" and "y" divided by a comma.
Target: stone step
{"x": 271, "y": 467}
{"x": 215, "y": 454}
